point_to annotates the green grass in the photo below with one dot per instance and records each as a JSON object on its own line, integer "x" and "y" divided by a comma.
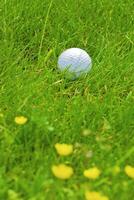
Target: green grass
{"x": 33, "y": 34}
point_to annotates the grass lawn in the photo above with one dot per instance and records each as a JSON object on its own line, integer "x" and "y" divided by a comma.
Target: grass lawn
{"x": 101, "y": 104}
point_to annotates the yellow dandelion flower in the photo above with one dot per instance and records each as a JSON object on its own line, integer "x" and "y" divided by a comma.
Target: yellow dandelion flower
{"x": 92, "y": 173}
{"x": 64, "y": 149}
{"x": 129, "y": 170}
{"x": 62, "y": 171}
{"x": 20, "y": 120}
{"x": 95, "y": 196}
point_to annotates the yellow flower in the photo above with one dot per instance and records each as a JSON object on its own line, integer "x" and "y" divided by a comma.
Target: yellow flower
{"x": 92, "y": 173}
{"x": 62, "y": 171}
{"x": 64, "y": 149}
{"x": 20, "y": 120}
{"x": 129, "y": 171}
{"x": 95, "y": 196}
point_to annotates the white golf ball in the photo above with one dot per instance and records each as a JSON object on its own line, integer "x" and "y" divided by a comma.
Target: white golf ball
{"x": 75, "y": 61}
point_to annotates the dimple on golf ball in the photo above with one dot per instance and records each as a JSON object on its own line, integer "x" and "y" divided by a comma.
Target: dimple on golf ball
{"x": 75, "y": 61}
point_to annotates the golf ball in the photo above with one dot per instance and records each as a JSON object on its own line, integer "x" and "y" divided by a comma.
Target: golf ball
{"x": 75, "y": 61}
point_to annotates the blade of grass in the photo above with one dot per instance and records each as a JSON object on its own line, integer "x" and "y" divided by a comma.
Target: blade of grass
{"x": 44, "y": 29}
